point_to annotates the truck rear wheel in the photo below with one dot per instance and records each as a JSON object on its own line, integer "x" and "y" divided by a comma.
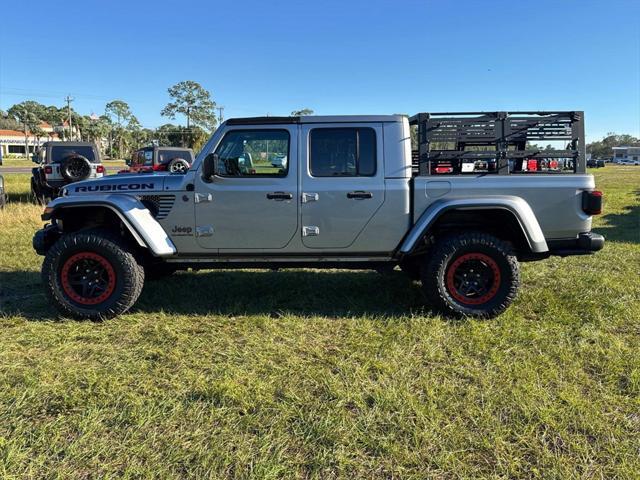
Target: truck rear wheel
{"x": 472, "y": 274}
{"x": 92, "y": 275}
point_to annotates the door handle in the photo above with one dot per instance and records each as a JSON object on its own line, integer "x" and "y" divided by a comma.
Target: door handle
{"x": 202, "y": 197}
{"x": 359, "y": 195}
{"x": 279, "y": 196}
{"x": 309, "y": 197}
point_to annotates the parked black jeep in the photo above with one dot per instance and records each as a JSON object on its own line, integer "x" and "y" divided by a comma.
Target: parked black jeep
{"x": 62, "y": 163}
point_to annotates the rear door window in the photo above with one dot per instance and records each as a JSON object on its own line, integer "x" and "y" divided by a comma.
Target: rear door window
{"x": 342, "y": 152}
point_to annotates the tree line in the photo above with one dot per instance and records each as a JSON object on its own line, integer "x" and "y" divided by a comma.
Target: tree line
{"x": 118, "y": 125}
{"x": 604, "y": 148}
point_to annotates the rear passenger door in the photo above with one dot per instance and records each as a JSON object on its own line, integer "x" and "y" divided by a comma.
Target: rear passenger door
{"x": 342, "y": 182}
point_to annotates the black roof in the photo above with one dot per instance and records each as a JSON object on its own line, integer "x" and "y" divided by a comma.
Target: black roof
{"x": 262, "y": 120}
{"x": 68, "y": 144}
{"x": 155, "y": 147}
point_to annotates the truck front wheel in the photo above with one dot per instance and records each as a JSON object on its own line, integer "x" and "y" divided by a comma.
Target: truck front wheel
{"x": 473, "y": 274}
{"x": 92, "y": 275}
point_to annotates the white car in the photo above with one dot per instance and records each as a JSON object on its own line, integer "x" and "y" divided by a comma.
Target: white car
{"x": 279, "y": 161}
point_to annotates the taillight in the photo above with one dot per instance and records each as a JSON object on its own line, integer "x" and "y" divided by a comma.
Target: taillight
{"x": 100, "y": 169}
{"x": 592, "y": 202}
{"x": 442, "y": 168}
{"x": 48, "y": 169}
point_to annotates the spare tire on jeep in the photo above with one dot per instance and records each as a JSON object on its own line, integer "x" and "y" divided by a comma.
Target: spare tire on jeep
{"x": 178, "y": 165}
{"x": 75, "y": 168}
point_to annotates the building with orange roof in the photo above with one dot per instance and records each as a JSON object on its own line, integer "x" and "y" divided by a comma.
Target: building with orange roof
{"x": 12, "y": 142}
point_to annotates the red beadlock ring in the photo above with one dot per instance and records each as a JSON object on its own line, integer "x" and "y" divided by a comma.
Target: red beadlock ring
{"x": 104, "y": 263}
{"x": 489, "y": 262}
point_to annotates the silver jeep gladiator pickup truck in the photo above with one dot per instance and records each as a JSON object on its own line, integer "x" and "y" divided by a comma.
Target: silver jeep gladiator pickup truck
{"x": 459, "y": 211}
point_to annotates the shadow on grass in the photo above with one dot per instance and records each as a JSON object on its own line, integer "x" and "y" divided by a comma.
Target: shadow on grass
{"x": 622, "y": 227}
{"x": 299, "y": 292}
{"x": 339, "y": 294}
{"x": 21, "y": 293}
{"x": 21, "y": 197}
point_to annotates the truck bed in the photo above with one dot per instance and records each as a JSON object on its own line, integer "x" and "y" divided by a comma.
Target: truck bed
{"x": 556, "y": 200}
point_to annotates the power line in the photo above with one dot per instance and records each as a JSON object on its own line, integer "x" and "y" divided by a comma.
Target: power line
{"x": 69, "y": 99}
{"x": 48, "y": 93}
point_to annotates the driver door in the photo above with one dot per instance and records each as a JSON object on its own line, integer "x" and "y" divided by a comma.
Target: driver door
{"x": 251, "y": 203}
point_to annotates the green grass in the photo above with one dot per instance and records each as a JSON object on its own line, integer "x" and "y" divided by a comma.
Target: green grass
{"x": 316, "y": 374}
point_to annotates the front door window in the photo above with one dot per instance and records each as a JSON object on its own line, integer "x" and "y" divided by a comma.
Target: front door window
{"x": 247, "y": 153}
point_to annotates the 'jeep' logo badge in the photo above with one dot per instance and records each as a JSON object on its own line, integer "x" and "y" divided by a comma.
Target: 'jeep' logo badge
{"x": 116, "y": 187}
{"x": 182, "y": 231}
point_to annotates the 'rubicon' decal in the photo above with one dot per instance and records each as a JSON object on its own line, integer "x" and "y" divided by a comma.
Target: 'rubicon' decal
{"x": 115, "y": 187}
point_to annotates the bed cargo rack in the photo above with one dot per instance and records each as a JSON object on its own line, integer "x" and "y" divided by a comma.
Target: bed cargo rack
{"x": 500, "y": 143}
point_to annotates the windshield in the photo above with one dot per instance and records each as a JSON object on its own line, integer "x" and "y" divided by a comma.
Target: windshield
{"x": 59, "y": 153}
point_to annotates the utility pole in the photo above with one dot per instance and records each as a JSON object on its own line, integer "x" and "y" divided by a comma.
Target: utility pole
{"x": 69, "y": 99}
{"x": 25, "y": 114}
{"x": 220, "y": 117}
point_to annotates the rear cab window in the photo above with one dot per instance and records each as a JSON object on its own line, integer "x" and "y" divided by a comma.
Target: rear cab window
{"x": 60, "y": 152}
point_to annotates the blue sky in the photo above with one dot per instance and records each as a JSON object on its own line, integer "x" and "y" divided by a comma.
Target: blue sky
{"x": 337, "y": 57}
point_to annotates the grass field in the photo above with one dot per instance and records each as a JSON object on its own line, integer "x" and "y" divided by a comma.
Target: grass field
{"x": 316, "y": 374}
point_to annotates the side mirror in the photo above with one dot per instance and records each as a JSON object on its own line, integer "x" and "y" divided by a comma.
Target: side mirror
{"x": 209, "y": 167}
{"x": 128, "y": 162}
{"x": 34, "y": 158}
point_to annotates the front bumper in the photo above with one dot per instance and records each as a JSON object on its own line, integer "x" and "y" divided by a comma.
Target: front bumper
{"x": 44, "y": 238}
{"x": 585, "y": 244}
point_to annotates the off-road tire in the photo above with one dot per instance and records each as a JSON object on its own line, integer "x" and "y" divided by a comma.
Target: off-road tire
{"x": 126, "y": 276}
{"x": 35, "y": 193}
{"x": 451, "y": 254}
{"x": 40, "y": 195}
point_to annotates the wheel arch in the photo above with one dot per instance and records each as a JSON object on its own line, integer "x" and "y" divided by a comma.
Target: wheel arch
{"x": 509, "y": 218}
{"x": 135, "y": 220}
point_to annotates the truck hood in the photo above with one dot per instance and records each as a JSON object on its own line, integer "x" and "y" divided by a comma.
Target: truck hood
{"x": 125, "y": 183}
